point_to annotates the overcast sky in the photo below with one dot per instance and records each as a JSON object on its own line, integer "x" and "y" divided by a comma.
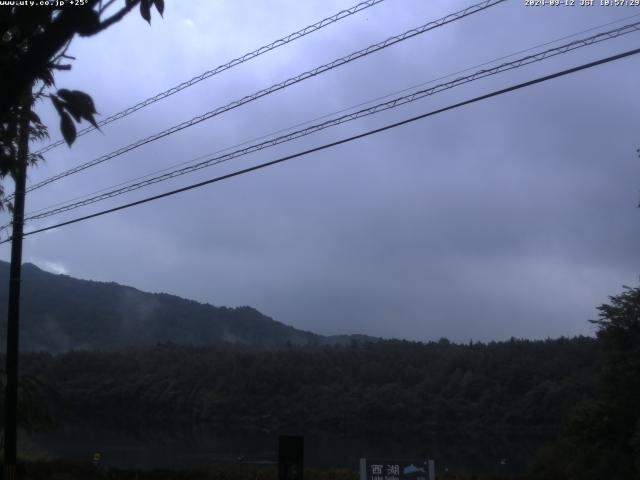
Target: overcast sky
{"x": 515, "y": 216}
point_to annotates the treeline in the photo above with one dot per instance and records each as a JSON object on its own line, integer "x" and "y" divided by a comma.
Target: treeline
{"x": 582, "y": 395}
{"x": 389, "y": 386}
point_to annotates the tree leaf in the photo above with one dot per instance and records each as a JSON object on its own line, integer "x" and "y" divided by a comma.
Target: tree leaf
{"x": 33, "y": 117}
{"x": 79, "y": 105}
{"x": 90, "y": 23}
{"x": 73, "y": 111}
{"x": 92, "y": 121}
{"x": 159, "y": 6}
{"x": 86, "y": 100}
{"x": 145, "y": 10}
{"x": 68, "y": 128}
{"x": 58, "y": 104}
{"x": 64, "y": 93}
{"x": 47, "y": 77}
{"x": 81, "y": 101}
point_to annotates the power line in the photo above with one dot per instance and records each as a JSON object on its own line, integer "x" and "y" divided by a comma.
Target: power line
{"x": 276, "y": 87}
{"x": 403, "y": 100}
{"x": 226, "y": 66}
{"x": 504, "y": 57}
{"x": 342, "y": 110}
{"x": 342, "y": 141}
{"x": 291, "y": 81}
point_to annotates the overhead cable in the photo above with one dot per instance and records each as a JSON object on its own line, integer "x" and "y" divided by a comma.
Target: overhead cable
{"x": 396, "y": 102}
{"x": 328, "y": 115}
{"x": 274, "y": 88}
{"x": 226, "y": 66}
{"x": 339, "y": 142}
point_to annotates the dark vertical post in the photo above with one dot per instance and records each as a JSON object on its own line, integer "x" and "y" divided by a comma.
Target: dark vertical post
{"x": 290, "y": 457}
{"x": 11, "y": 393}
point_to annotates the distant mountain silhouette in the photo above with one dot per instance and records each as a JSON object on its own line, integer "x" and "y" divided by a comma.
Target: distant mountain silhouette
{"x": 61, "y": 313}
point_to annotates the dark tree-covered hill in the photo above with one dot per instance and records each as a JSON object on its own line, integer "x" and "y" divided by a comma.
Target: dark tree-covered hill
{"x": 388, "y": 386}
{"x": 61, "y": 313}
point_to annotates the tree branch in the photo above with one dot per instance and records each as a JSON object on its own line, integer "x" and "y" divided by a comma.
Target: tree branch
{"x": 116, "y": 17}
{"x": 62, "y": 53}
{"x": 106, "y": 5}
{"x": 42, "y": 48}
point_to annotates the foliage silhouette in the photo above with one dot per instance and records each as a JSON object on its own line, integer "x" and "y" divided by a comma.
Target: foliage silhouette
{"x": 33, "y": 45}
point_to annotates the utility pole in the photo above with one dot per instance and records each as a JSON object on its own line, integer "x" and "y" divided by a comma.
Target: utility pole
{"x": 13, "y": 317}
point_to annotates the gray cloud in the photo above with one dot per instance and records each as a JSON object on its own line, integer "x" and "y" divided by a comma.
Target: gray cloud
{"x": 511, "y": 217}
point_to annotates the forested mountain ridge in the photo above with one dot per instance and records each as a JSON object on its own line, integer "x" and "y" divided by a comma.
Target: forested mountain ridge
{"x": 370, "y": 388}
{"x": 466, "y": 405}
{"x": 61, "y": 313}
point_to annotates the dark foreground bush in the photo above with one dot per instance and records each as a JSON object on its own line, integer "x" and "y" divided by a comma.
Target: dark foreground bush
{"x": 65, "y": 470}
